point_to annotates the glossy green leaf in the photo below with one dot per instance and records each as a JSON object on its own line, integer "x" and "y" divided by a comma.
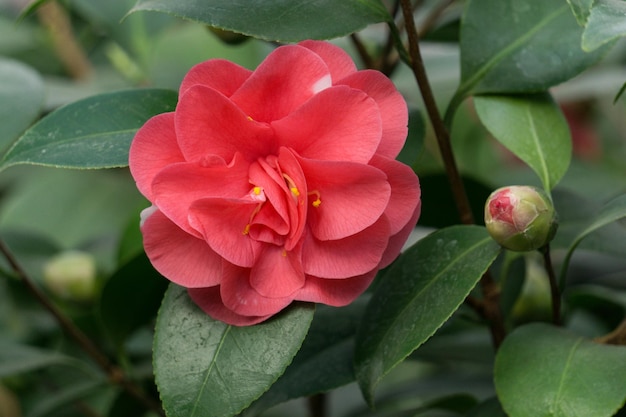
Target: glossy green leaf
{"x": 541, "y": 370}
{"x": 513, "y": 46}
{"x": 131, "y": 298}
{"x": 92, "y": 133}
{"x": 607, "y": 22}
{"x": 581, "y": 9}
{"x": 276, "y": 20}
{"x": 416, "y": 296}
{"x": 21, "y": 99}
{"x": 612, "y": 211}
{"x": 16, "y": 358}
{"x": 533, "y": 128}
{"x": 325, "y": 360}
{"x": 206, "y": 368}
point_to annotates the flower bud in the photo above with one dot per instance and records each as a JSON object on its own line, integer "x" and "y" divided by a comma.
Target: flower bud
{"x": 71, "y": 275}
{"x": 520, "y": 218}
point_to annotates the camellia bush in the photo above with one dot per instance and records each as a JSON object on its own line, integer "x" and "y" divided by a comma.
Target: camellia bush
{"x": 331, "y": 208}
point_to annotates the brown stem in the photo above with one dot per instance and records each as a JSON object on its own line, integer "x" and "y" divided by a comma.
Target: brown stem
{"x": 491, "y": 304}
{"x": 55, "y": 19}
{"x": 554, "y": 286}
{"x": 616, "y": 337}
{"x": 317, "y": 405}
{"x": 115, "y": 374}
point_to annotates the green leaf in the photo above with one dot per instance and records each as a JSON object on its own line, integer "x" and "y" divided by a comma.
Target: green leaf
{"x": 519, "y": 46}
{"x": 607, "y": 22}
{"x": 68, "y": 395}
{"x": 490, "y": 407}
{"x": 276, "y": 20}
{"x": 581, "y": 9}
{"x": 612, "y": 211}
{"x": 533, "y": 128}
{"x": 131, "y": 298}
{"x": 207, "y": 368}
{"x": 325, "y": 360}
{"x": 541, "y": 370}
{"x": 92, "y": 133}
{"x": 21, "y": 99}
{"x": 416, "y": 296}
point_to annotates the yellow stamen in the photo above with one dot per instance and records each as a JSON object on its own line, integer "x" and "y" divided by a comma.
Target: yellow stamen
{"x": 250, "y": 119}
{"x": 246, "y": 229}
{"x": 318, "y": 200}
{"x": 257, "y": 190}
{"x": 292, "y": 185}
{"x": 284, "y": 253}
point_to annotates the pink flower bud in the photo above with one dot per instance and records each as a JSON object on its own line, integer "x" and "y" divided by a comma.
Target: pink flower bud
{"x": 520, "y": 218}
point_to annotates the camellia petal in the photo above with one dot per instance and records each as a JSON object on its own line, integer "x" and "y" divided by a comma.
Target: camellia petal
{"x": 184, "y": 259}
{"x": 210, "y": 300}
{"x": 275, "y": 90}
{"x": 219, "y": 74}
{"x": 208, "y": 123}
{"x": 339, "y": 63}
{"x": 352, "y": 197}
{"x": 335, "y": 292}
{"x": 356, "y": 254}
{"x": 397, "y": 241}
{"x": 392, "y": 107}
{"x": 153, "y": 149}
{"x": 344, "y": 122}
{"x": 277, "y": 273}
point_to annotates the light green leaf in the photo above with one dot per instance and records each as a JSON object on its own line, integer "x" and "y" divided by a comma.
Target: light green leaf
{"x": 416, "y": 296}
{"x": 612, "y": 211}
{"x": 92, "y": 133}
{"x": 206, "y": 368}
{"x": 514, "y": 46}
{"x": 581, "y": 9}
{"x": 541, "y": 370}
{"x": 21, "y": 99}
{"x": 607, "y": 22}
{"x": 276, "y": 20}
{"x": 533, "y": 128}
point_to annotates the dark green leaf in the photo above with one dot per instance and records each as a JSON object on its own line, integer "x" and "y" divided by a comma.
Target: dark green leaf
{"x": 581, "y": 9}
{"x": 542, "y": 370}
{"x": 488, "y": 408}
{"x": 416, "y": 296}
{"x": 207, "y": 368}
{"x": 513, "y": 46}
{"x": 325, "y": 360}
{"x": 21, "y": 99}
{"x": 533, "y": 128}
{"x": 131, "y": 298}
{"x": 92, "y": 133}
{"x": 68, "y": 395}
{"x": 276, "y": 20}
{"x": 607, "y": 22}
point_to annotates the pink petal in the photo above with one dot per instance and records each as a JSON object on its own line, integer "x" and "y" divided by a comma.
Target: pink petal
{"x": 239, "y": 296}
{"x": 177, "y": 186}
{"x": 353, "y": 255}
{"x": 219, "y": 74}
{"x": 153, "y": 148}
{"x": 353, "y": 197}
{"x": 392, "y": 107}
{"x": 222, "y": 223}
{"x": 405, "y": 191}
{"x": 338, "y": 61}
{"x": 277, "y": 272}
{"x": 287, "y": 78}
{"x": 210, "y": 301}
{"x": 289, "y": 165}
{"x": 208, "y": 123}
{"x": 335, "y": 292}
{"x": 178, "y": 256}
{"x": 397, "y": 241}
{"x": 339, "y": 123}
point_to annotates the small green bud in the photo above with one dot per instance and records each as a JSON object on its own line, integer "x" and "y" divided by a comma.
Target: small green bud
{"x": 71, "y": 275}
{"x": 520, "y": 218}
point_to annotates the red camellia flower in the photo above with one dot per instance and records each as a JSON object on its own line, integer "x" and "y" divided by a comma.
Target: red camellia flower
{"x": 278, "y": 184}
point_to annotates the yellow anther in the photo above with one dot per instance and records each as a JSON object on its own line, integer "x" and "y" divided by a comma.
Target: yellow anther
{"x": 317, "y": 203}
{"x": 250, "y": 119}
{"x": 318, "y": 200}
{"x": 256, "y": 190}
{"x": 292, "y": 185}
{"x": 295, "y": 191}
{"x": 246, "y": 229}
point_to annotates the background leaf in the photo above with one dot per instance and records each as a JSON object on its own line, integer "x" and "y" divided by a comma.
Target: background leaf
{"x": 92, "y": 133}
{"x": 416, "y": 296}
{"x": 16, "y": 358}
{"x": 542, "y": 370}
{"x": 607, "y": 22}
{"x": 581, "y": 9}
{"x": 276, "y": 20}
{"x": 207, "y": 368}
{"x": 513, "y": 46}
{"x": 533, "y": 128}
{"x": 21, "y": 99}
